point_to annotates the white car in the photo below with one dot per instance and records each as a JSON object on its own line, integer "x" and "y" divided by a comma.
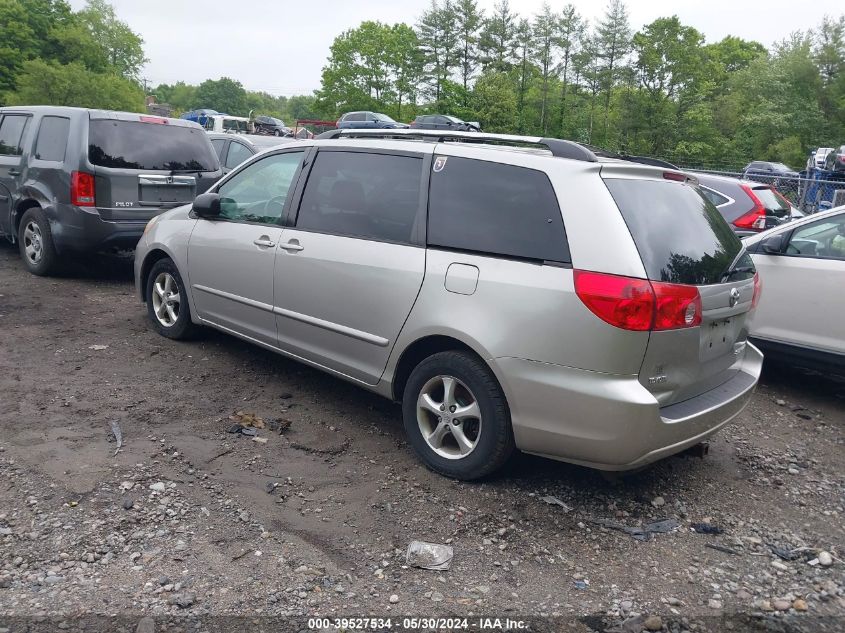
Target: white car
{"x": 799, "y": 317}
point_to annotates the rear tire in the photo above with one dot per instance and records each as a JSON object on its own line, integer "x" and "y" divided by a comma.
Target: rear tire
{"x": 35, "y": 242}
{"x": 167, "y": 302}
{"x": 456, "y": 416}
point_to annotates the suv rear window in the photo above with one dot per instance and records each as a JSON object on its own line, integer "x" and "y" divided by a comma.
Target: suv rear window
{"x": 680, "y": 235}
{"x": 149, "y": 146}
{"x": 498, "y": 209}
{"x": 771, "y": 200}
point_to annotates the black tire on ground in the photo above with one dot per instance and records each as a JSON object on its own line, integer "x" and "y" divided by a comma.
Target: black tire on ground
{"x": 495, "y": 441}
{"x": 277, "y": 133}
{"x": 44, "y": 259}
{"x": 182, "y": 328}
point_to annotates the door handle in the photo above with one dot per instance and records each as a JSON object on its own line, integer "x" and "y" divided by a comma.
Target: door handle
{"x": 14, "y": 172}
{"x": 264, "y": 241}
{"x": 293, "y": 245}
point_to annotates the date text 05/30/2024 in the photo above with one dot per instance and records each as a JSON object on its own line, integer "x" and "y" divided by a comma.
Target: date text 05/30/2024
{"x": 417, "y": 624}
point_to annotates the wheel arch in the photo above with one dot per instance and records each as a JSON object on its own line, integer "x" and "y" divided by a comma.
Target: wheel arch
{"x": 20, "y": 210}
{"x": 150, "y": 260}
{"x": 421, "y": 349}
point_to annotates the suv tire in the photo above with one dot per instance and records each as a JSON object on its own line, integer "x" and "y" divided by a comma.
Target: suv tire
{"x": 35, "y": 241}
{"x": 476, "y": 441}
{"x": 170, "y": 318}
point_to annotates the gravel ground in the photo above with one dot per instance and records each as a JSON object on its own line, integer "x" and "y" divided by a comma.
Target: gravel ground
{"x": 189, "y": 523}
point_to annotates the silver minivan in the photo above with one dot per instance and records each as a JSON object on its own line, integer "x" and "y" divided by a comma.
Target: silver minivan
{"x": 510, "y": 292}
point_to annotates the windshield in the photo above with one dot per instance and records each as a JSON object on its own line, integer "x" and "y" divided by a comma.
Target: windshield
{"x": 680, "y": 235}
{"x": 382, "y": 117}
{"x": 136, "y": 145}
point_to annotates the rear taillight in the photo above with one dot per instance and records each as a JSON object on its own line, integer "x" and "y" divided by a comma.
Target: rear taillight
{"x": 758, "y": 289}
{"x": 676, "y": 306}
{"x": 638, "y": 304}
{"x": 754, "y": 219}
{"x": 673, "y": 175}
{"x": 154, "y": 119}
{"x": 82, "y": 189}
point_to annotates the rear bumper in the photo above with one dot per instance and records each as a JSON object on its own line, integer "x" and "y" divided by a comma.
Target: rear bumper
{"x": 612, "y": 422}
{"x": 81, "y": 230}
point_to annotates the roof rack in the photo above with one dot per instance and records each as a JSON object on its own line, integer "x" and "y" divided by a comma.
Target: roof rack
{"x": 558, "y": 147}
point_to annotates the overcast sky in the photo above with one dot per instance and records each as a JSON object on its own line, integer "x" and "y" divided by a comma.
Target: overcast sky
{"x": 280, "y": 46}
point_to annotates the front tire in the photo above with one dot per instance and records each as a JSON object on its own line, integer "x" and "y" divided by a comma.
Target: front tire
{"x": 167, "y": 302}
{"x": 456, "y": 416}
{"x": 36, "y": 245}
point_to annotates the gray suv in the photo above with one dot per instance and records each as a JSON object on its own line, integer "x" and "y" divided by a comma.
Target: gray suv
{"x": 539, "y": 297}
{"x": 75, "y": 180}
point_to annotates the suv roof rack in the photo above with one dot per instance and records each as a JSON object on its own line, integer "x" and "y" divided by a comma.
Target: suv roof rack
{"x": 559, "y": 148}
{"x": 631, "y": 158}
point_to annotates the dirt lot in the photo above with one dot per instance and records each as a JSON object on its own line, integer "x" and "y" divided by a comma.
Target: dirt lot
{"x": 187, "y": 521}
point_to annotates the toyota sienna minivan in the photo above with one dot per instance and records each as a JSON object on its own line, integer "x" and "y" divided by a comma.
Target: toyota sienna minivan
{"x": 468, "y": 281}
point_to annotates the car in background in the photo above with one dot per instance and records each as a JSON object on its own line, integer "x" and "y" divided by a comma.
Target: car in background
{"x": 233, "y": 149}
{"x": 380, "y": 260}
{"x": 74, "y": 180}
{"x": 748, "y": 206}
{"x": 818, "y": 157}
{"x": 271, "y": 125}
{"x": 444, "y": 122}
{"x": 802, "y": 271}
{"x": 769, "y": 172}
{"x": 835, "y": 160}
{"x": 368, "y": 121}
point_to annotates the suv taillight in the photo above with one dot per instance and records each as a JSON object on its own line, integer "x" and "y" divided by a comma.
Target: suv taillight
{"x": 638, "y": 304}
{"x": 754, "y": 219}
{"x": 82, "y": 189}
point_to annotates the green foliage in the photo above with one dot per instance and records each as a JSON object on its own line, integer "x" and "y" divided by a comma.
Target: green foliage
{"x": 52, "y": 83}
{"x": 90, "y": 47}
{"x": 224, "y": 95}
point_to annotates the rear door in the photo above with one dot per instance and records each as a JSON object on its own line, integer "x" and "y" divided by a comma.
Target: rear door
{"x": 145, "y": 165}
{"x": 349, "y": 271}
{"x": 230, "y": 259}
{"x": 682, "y": 239}
{"x": 798, "y": 305}
{"x": 13, "y": 128}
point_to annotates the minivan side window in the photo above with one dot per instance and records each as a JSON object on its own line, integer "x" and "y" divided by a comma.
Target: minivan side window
{"x": 495, "y": 209}
{"x": 260, "y": 191}
{"x": 52, "y": 138}
{"x": 371, "y": 196}
{"x": 11, "y": 131}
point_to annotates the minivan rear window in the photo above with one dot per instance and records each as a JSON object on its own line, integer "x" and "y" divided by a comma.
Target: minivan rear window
{"x": 149, "y": 146}
{"x": 680, "y": 235}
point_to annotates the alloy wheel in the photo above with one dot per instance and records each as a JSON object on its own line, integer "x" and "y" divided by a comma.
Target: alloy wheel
{"x": 33, "y": 242}
{"x": 166, "y": 299}
{"x": 449, "y": 417}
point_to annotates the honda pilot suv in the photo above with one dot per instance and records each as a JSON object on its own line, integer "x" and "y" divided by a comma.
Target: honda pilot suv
{"x": 77, "y": 181}
{"x": 468, "y": 281}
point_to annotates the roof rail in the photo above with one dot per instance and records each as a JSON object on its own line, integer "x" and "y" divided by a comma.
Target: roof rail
{"x": 558, "y": 147}
{"x": 631, "y": 158}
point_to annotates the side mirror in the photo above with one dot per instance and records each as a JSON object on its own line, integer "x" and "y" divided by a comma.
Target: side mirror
{"x": 207, "y": 205}
{"x": 773, "y": 245}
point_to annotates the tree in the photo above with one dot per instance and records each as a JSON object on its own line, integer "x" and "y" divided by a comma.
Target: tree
{"x": 224, "y": 95}
{"x": 373, "y": 67}
{"x": 613, "y": 36}
{"x": 496, "y": 41}
{"x": 438, "y": 39}
{"x": 468, "y": 19}
{"x": 524, "y": 40}
{"x": 52, "y": 83}
{"x": 570, "y": 31}
{"x": 123, "y": 47}
{"x": 495, "y": 102}
{"x": 545, "y": 47}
